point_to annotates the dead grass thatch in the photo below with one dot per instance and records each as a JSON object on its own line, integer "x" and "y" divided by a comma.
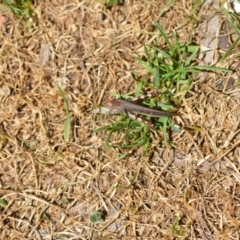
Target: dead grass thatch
{"x": 49, "y": 189}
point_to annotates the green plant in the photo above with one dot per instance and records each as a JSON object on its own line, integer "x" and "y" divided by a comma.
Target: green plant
{"x": 110, "y": 3}
{"x": 176, "y": 227}
{"x": 96, "y": 217}
{"x": 3, "y": 203}
{"x": 21, "y": 9}
{"x": 170, "y": 73}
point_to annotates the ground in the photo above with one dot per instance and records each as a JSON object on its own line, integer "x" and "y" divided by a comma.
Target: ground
{"x": 50, "y": 189}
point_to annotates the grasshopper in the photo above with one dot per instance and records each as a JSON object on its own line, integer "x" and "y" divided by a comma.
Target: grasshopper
{"x": 131, "y": 108}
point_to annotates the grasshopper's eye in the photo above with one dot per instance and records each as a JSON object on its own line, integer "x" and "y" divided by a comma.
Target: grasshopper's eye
{"x": 107, "y": 103}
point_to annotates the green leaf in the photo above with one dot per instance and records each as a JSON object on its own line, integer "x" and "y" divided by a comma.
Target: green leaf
{"x": 3, "y": 203}
{"x": 167, "y": 5}
{"x": 112, "y": 3}
{"x": 95, "y": 217}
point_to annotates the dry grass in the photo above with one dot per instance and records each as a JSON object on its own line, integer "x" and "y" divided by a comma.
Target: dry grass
{"x": 51, "y": 188}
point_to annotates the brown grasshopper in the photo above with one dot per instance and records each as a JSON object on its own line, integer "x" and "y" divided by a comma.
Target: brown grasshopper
{"x": 130, "y": 108}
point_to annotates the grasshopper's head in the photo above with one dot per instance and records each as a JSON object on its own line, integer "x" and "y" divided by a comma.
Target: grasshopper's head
{"x": 113, "y": 103}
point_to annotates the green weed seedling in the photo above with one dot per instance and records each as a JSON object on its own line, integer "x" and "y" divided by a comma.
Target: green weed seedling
{"x": 110, "y": 3}
{"x": 96, "y": 217}
{"x": 170, "y": 73}
{"x": 21, "y": 9}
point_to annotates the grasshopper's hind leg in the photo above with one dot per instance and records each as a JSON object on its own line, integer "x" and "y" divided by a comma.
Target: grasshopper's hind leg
{"x": 139, "y": 119}
{"x": 144, "y": 96}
